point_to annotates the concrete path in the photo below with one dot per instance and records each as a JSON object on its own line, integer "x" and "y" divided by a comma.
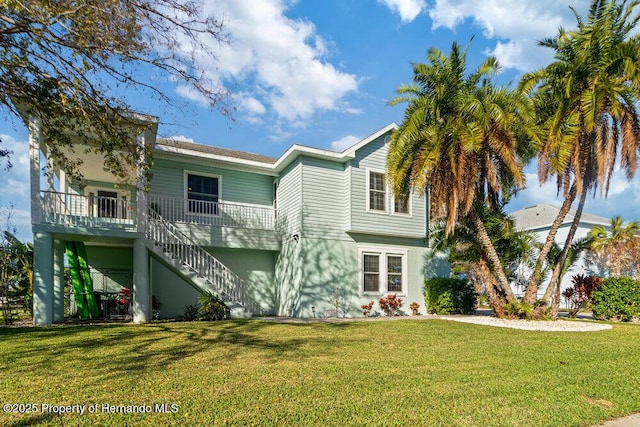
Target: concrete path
{"x": 630, "y": 421}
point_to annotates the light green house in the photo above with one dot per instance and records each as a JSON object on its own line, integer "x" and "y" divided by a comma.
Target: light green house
{"x": 312, "y": 233}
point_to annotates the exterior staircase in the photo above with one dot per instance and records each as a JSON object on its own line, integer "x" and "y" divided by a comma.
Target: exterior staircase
{"x": 199, "y": 268}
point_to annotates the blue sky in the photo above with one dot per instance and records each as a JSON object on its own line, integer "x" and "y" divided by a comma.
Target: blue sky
{"x": 320, "y": 73}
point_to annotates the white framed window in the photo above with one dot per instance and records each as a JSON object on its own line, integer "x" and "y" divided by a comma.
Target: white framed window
{"x": 382, "y": 270}
{"x": 202, "y": 193}
{"x": 376, "y": 191}
{"x": 402, "y": 204}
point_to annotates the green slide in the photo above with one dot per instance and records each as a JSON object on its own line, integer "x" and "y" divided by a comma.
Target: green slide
{"x": 86, "y": 278}
{"x": 81, "y": 280}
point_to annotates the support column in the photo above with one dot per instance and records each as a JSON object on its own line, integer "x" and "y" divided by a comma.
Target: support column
{"x": 42, "y": 279}
{"x": 58, "y": 281}
{"x": 141, "y": 283}
{"x": 141, "y": 185}
{"x": 34, "y": 161}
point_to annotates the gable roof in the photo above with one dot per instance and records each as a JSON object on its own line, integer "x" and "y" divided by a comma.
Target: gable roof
{"x": 260, "y": 163}
{"x": 542, "y": 215}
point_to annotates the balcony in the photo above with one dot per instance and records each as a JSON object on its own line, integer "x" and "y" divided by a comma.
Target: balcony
{"x": 214, "y": 214}
{"x": 75, "y": 210}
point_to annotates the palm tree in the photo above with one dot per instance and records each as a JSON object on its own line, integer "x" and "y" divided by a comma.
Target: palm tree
{"x": 586, "y": 102}
{"x": 613, "y": 244}
{"x": 459, "y": 138}
{"x": 468, "y": 257}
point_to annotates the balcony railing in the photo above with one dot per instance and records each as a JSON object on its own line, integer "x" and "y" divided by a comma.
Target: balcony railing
{"x": 87, "y": 211}
{"x": 98, "y": 211}
{"x": 216, "y": 214}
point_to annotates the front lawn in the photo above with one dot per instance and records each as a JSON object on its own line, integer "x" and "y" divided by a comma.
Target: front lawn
{"x": 251, "y": 372}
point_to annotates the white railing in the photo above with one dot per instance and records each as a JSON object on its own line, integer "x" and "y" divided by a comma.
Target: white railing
{"x": 217, "y": 214}
{"x": 86, "y": 211}
{"x": 178, "y": 246}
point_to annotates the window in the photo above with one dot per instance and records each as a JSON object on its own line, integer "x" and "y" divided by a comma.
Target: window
{"x": 371, "y": 267}
{"x": 401, "y": 204}
{"x": 394, "y": 273}
{"x": 383, "y": 270}
{"x": 377, "y": 192}
{"x": 203, "y": 194}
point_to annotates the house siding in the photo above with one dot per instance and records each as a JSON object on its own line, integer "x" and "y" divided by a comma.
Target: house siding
{"x": 236, "y": 186}
{"x": 324, "y": 212}
{"x": 373, "y": 157}
{"x": 290, "y": 198}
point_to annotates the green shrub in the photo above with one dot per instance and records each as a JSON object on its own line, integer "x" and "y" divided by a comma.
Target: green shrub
{"x": 519, "y": 310}
{"x": 617, "y": 299}
{"x": 212, "y": 307}
{"x": 447, "y": 295}
{"x": 190, "y": 312}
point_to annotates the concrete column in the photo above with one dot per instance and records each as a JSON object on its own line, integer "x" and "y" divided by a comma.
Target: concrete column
{"x": 141, "y": 283}
{"x": 34, "y": 161}
{"x": 58, "y": 281}
{"x": 42, "y": 279}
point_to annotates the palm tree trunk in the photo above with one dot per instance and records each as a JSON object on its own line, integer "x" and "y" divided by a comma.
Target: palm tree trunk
{"x": 531, "y": 293}
{"x": 496, "y": 302}
{"x": 559, "y": 267}
{"x": 485, "y": 241}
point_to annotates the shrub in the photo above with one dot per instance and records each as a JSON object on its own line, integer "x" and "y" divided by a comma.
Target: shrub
{"x": 579, "y": 295}
{"x": 390, "y": 305}
{"x": 190, "y": 312}
{"x": 366, "y": 309}
{"x": 448, "y": 295}
{"x": 415, "y": 308}
{"x": 212, "y": 307}
{"x": 156, "y": 306}
{"x": 519, "y": 310}
{"x": 617, "y": 299}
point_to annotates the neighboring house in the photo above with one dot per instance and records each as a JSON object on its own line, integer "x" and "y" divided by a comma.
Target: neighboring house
{"x": 539, "y": 218}
{"x": 312, "y": 233}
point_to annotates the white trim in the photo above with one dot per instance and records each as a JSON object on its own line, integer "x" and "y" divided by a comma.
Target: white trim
{"x": 186, "y": 173}
{"x": 351, "y": 150}
{"x": 383, "y": 252}
{"x": 368, "y": 190}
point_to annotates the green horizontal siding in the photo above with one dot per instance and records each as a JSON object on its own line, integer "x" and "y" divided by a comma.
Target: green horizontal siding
{"x": 290, "y": 198}
{"x": 324, "y": 189}
{"x": 373, "y": 156}
{"x": 236, "y": 186}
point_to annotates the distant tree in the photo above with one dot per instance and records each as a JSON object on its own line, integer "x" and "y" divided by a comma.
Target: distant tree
{"x": 587, "y": 103}
{"x": 616, "y": 249}
{"x": 62, "y": 60}
{"x": 459, "y": 138}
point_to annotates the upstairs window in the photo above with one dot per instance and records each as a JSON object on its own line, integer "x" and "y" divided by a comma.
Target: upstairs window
{"x": 203, "y": 194}
{"x": 401, "y": 204}
{"x": 377, "y": 192}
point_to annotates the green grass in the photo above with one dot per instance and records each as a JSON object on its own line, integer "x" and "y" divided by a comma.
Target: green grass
{"x": 361, "y": 373}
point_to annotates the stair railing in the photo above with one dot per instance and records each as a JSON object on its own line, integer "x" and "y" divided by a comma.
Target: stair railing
{"x": 179, "y": 246}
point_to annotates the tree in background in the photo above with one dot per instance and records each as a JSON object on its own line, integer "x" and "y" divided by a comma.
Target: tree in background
{"x": 616, "y": 250}
{"x": 61, "y": 61}
{"x": 16, "y": 270}
{"x": 586, "y": 102}
{"x": 459, "y": 138}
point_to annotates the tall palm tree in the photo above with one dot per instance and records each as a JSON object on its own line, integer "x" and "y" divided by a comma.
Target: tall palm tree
{"x": 613, "y": 243}
{"x": 459, "y": 138}
{"x": 587, "y": 101}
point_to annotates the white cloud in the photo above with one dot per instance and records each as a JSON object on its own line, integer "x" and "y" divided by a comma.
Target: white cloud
{"x": 181, "y": 138}
{"x": 15, "y": 191}
{"x": 282, "y": 60}
{"x": 407, "y": 9}
{"x": 517, "y": 25}
{"x": 344, "y": 143}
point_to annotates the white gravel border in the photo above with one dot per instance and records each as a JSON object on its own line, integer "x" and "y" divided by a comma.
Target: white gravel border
{"x": 531, "y": 325}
